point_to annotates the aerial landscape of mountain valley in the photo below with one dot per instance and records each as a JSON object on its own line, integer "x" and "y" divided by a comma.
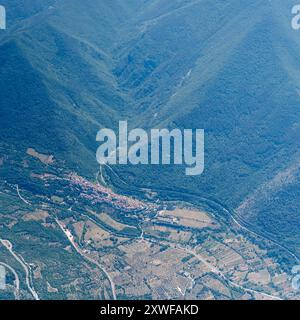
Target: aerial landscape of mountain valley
{"x": 74, "y": 229}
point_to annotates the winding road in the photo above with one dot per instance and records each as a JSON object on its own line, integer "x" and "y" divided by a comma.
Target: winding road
{"x": 7, "y": 244}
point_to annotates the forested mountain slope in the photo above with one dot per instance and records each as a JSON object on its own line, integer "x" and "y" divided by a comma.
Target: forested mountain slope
{"x": 229, "y": 67}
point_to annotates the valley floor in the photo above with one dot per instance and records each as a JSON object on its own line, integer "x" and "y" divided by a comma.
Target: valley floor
{"x": 64, "y": 237}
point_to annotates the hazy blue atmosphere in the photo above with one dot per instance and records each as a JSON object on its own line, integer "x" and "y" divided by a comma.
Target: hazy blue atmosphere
{"x": 69, "y": 68}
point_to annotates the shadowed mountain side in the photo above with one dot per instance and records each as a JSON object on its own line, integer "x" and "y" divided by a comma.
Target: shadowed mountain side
{"x": 57, "y": 86}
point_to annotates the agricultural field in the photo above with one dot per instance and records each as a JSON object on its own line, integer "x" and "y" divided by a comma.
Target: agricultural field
{"x": 65, "y": 237}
